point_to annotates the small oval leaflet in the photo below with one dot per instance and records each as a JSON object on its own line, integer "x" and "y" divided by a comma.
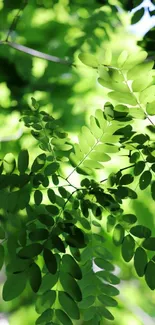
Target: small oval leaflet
{"x": 45, "y": 301}
{"x": 129, "y": 218}
{"x": 48, "y": 281}
{"x": 140, "y": 261}
{"x": 128, "y": 247}
{"x": 149, "y": 275}
{"x": 35, "y": 277}
{"x": 14, "y": 286}
{"x": 107, "y": 301}
{"x": 38, "y": 234}
{"x": 149, "y": 244}
{"x": 70, "y": 286}
{"x": 30, "y": 251}
{"x": 109, "y": 277}
{"x": 106, "y": 265}
{"x": 139, "y": 167}
{"x": 140, "y": 231}
{"x": 53, "y": 209}
{"x": 9, "y": 163}
{"x": 45, "y": 317}
{"x": 68, "y": 304}
{"x": 71, "y": 266}
{"x": 51, "y": 168}
{"x": 145, "y": 179}
{"x": 50, "y": 261}
{"x": 118, "y": 235}
{"x": 51, "y": 195}
{"x": 88, "y": 59}
{"x": 63, "y": 318}
{"x": 23, "y": 161}
{"x": 126, "y": 179}
{"x": 38, "y": 196}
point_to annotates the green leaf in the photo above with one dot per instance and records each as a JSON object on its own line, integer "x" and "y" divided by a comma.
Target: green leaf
{"x": 9, "y": 163}
{"x": 45, "y": 301}
{"x": 38, "y": 163}
{"x": 103, "y": 264}
{"x": 38, "y": 196}
{"x": 70, "y": 286}
{"x": 105, "y": 313}
{"x": 149, "y": 243}
{"x": 86, "y": 302}
{"x": 52, "y": 209}
{"x": 140, "y": 231}
{"x": 50, "y": 261}
{"x": 150, "y": 108}
{"x": 89, "y": 313}
{"x": 62, "y": 317}
{"x": 108, "y": 289}
{"x": 48, "y": 281}
{"x": 88, "y": 59}
{"x": 108, "y": 277}
{"x": 51, "y": 168}
{"x": 140, "y": 84}
{"x": 129, "y": 218}
{"x": 88, "y": 135}
{"x": 147, "y": 95}
{"x": 46, "y": 316}
{"x": 125, "y": 98}
{"x": 30, "y": 251}
{"x": 68, "y": 304}
{"x": 145, "y": 179}
{"x": 35, "y": 277}
{"x": 126, "y": 179}
{"x": 23, "y": 161}
{"x": 122, "y": 58}
{"x": 71, "y": 266}
{"x": 45, "y": 219}
{"x": 141, "y": 70}
{"x": 137, "y": 16}
{"x": 14, "y": 286}
{"x": 2, "y": 255}
{"x": 111, "y": 220}
{"x": 140, "y": 261}
{"x": 139, "y": 167}
{"x": 107, "y": 57}
{"x": 128, "y": 247}
{"x": 51, "y": 195}
{"x": 38, "y": 234}
{"x": 107, "y": 301}
{"x": 118, "y": 235}
{"x": 149, "y": 275}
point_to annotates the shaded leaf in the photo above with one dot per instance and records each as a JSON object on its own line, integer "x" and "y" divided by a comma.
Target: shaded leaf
{"x": 14, "y": 286}
{"x": 23, "y": 161}
{"x": 62, "y": 317}
{"x": 140, "y": 261}
{"x": 50, "y": 261}
{"x": 145, "y": 179}
{"x": 149, "y": 275}
{"x": 68, "y": 304}
{"x": 128, "y": 247}
{"x": 70, "y": 286}
{"x": 35, "y": 277}
{"x": 140, "y": 231}
{"x": 118, "y": 235}
{"x": 149, "y": 243}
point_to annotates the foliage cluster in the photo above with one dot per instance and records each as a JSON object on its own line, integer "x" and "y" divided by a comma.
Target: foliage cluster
{"x": 52, "y": 231}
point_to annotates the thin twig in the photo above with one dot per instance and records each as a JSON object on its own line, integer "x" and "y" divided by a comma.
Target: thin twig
{"x": 16, "y": 18}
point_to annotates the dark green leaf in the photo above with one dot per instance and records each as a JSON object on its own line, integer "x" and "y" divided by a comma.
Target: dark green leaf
{"x": 45, "y": 317}
{"x": 145, "y": 179}
{"x": 45, "y": 301}
{"x": 111, "y": 220}
{"x": 51, "y": 195}
{"x": 128, "y": 247}
{"x": 51, "y": 168}
{"x": 30, "y": 251}
{"x": 68, "y": 304}
{"x": 23, "y": 161}
{"x": 126, "y": 179}
{"x": 70, "y": 286}
{"x": 137, "y": 16}
{"x": 109, "y": 277}
{"x": 38, "y": 163}
{"x": 103, "y": 264}
{"x": 149, "y": 275}
{"x": 35, "y": 277}
{"x": 45, "y": 219}
{"x": 86, "y": 302}
{"x": 53, "y": 209}
{"x": 48, "y": 281}
{"x": 140, "y": 261}
{"x": 107, "y": 301}
{"x": 149, "y": 244}
{"x": 140, "y": 231}
{"x": 62, "y": 317}
{"x": 129, "y": 218}
{"x": 153, "y": 190}
{"x": 139, "y": 167}
{"x": 118, "y": 235}
{"x": 105, "y": 313}
{"x": 14, "y": 286}
{"x": 50, "y": 261}
{"x": 70, "y": 265}
{"x": 38, "y": 196}
{"x": 38, "y": 234}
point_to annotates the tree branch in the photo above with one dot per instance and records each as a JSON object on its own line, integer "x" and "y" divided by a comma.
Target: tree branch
{"x": 16, "y": 18}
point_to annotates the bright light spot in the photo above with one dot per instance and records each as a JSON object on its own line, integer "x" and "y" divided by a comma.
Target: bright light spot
{"x": 39, "y": 67}
{"x": 4, "y": 95}
{"x": 42, "y": 16}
